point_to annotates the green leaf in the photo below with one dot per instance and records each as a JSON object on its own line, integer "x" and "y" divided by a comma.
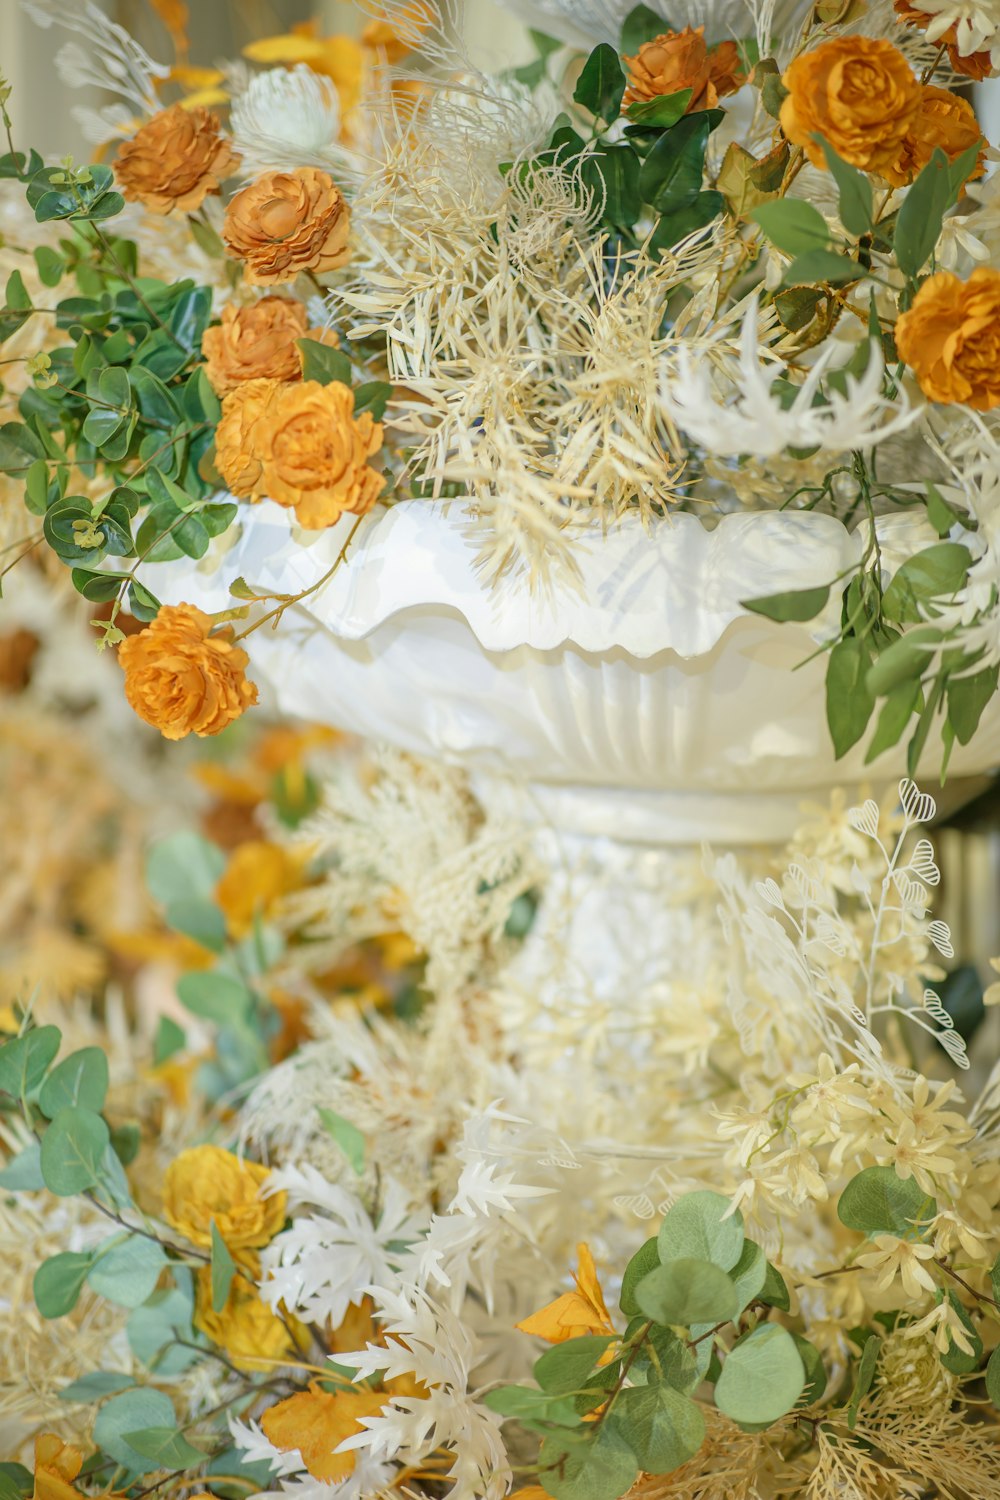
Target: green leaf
{"x": 167, "y": 1447}
{"x": 849, "y": 702}
{"x": 877, "y": 1201}
{"x": 169, "y": 1039}
{"x": 812, "y": 1363}
{"x": 673, "y": 227}
{"x": 893, "y": 718}
{"x": 127, "y": 1272}
{"x": 16, "y": 1482}
{"x": 154, "y": 1328}
{"x": 687, "y": 1291}
{"x": 216, "y": 997}
{"x": 599, "y": 1467}
{"x": 955, "y": 1359}
{"x": 24, "y": 1060}
{"x": 645, "y": 1259}
{"x": 937, "y": 571}
{"x": 671, "y": 176}
{"x": 81, "y": 1078}
{"x": 661, "y": 1427}
{"x": 16, "y": 295}
{"x": 323, "y": 363}
{"x": 941, "y": 515}
{"x": 223, "y": 1270}
{"x": 372, "y": 396}
{"x": 774, "y": 1291}
{"x": 666, "y": 1360}
{"x": 142, "y": 604}
{"x": 749, "y": 1273}
{"x": 199, "y": 920}
{"x": 794, "y": 604}
{"x": 184, "y": 866}
{"x": 905, "y": 659}
{"x": 95, "y": 1386}
{"x": 125, "y": 1141}
{"x": 702, "y": 1226}
{"x": 855, "y": 192}
{"x": 822, "y": 266}
{"x": 968, "y": 697}
{"x": 763, "y": 1376}
{"x": 529, "y": 1406}
{"x": 19, "y": 448}
{"x": 662, "y": 112}
{"x": 993, "y": 1378}
{"x": 132, "y": 1411}
{"x": 59, "y": 1281}
{"x": 99, "y": 588}
{"x": 865, "y": 1376}
{"x": 640, "y": 25}
{"x": 792, "y": 224}
{"x": 995, "y": 1280}
{"x": 613, "y": 174}
{"x": 73, "y": 1150}
{"x": 23, "y": 1173}
{"x": 601, "y": 84}
{"x": 348, "y": 1137}
{"x": 918, "y": 223}
{"x": 566, "y": 1367}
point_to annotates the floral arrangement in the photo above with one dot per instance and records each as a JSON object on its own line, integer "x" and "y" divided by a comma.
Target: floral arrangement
{"x": 749, "y": 270}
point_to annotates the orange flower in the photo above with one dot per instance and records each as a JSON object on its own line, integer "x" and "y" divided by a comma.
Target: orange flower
{"x": 249, "y": 1331}
{"x": 56, "y": 1466}
{"x": 206, "y": 1185}
{"x": 942, "y": 120}
{"x": 682, "y": 60}
{"x": 574, "y": 1313}
{"x": 316, "y": 1422}
{"x": 182, "y": 679}
{"x": 859, "y": 94}
{"x": 950, "y": 338}
{"x": 257, "y": 876}
{"x": 258, "y": 342}
{"x": 303, "y": 446}
{"x": 976, "y": 65}
{"x": 175, "y": 161}
{"x": 287, "y": 222}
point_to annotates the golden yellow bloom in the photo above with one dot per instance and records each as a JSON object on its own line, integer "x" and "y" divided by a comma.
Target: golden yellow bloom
{"x": 257, "y": 342}
{"x": 314, "y": 451}
{"x": 287, "y": 222}
{"x": 181, "y": 678}
{"x": 207, "y": 1183}
{"x": 316, "y": 1422}
{"x": 942, "y": 121}
{"x": 175, "y": 161}
{"x": 574, "y": 1313}
{"x": 683, "y": 60}
{"x": 255, "y": 879}
{"x": 249, "y": 1331}
{"x": 237, "y": 455}
{"x": 860, "y": 94}
{"x": 56, "y": 1466}
{"x": 950, "y": 338}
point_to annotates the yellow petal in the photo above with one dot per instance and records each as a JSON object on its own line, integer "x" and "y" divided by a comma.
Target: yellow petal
{"x": 574, "y": 1313}
{"x": 316, "y": 1422}
{"x": 289, "y": 48}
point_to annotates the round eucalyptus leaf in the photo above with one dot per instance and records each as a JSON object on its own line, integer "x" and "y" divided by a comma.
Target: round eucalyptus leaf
{"x": 763, "y": 1376}
{"x": 73, "y": 1150}
{"x": 131, "y": 1412}
{"x": 662, "y": 1427}
{"x": 700, "y": 1226}
{"x": 683, "y": 1292}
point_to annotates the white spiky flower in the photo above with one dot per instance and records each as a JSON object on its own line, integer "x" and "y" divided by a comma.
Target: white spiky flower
{"x": 285, "y": 118}
{"x": 752, "y": 420}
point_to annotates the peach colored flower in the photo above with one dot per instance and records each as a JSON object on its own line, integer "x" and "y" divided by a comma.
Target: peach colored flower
{"x": 950, "y": 338}
{"x": 181, "y": 678}
{"x": 237, "y": 456}
{"x": 314, "y": 452}
{"x": 258, "y": 342}
{"x": 683, "y": 60}
{"x": 859, "y": 94}
{"x": 287, "y": 222}
{"x": 944, "y": 121}
{"x": 175, "y": 160}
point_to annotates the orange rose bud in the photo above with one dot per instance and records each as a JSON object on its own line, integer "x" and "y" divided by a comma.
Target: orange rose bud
{"x": 944, "y": 121}
{"x": 679, "y": 60}
{"x": 182, "y": 679}
{"x": 976, "y": 65}
{"x": 314, "y": 452}
{"x": 175, "y": 160}
{"x": 859, "y": 94}
{"x": 950, "y": 338}
{"x": 287, "y": 222}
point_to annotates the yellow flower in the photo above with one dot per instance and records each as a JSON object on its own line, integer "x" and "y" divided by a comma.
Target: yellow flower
{"x": 207, "y": 1183}
{"x": 249, "y": 1331}
{"x": 574, "y": 1313}
{"x": 180, "y": 677}
{"x": 316, "y": 1422}
{"x": 56, "y": 1466}
{"x": 894, "y": 1257}
{"x": 257, "y": 876}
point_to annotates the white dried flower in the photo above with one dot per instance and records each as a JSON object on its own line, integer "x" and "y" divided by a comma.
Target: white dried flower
{"x": 286, "y": 118}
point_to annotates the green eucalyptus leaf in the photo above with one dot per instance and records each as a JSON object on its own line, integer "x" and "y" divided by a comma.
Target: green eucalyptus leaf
{"x": 993, "y": 1378}
{"x": 687, "y": 1291}
{"x": 95, "y": 1386}
{"x": 666, "y": 1359}
{"x": 749, "y": 1273}
{"x": 215, "y": 997}
{"x": 865, "y": 1377}
{"x": 182, "y": 867}
{"x": 530, "y": 1407}
{"x": 200, "y": 920}
{"x": 702, "y": 1226}
{"x": 127, "y": 1271}
{"x": 812, "y": 1363}
{"x": 878, "y": 1201}
{"x": 349, "y": 1138}
{"x": 793, "y": 604}
{"x": 168, "y": 1448}
{"x": 600, "y": 1466}
{"x": 961, "y": 1361}
{"x": 645, "y": 1259}
{"x": 23, "y": 1172}
{"x": 223, "y": 1270}
{"x": 565, "y": 1367}
{"x": 81, "y": 1078}
{"x": 763, "y": 1376}
{"x": 59, "y": 1281}
{"x": 774, "y": 1291}
{"x": 132, "y": 1411}
{"x": 24, "y": 1060}
{"x": 662, "y": 1427}
{"x": 73, "y": 1149}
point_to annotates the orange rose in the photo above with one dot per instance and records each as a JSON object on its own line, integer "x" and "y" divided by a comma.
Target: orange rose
{"x": 859, "y": 94}
{"x": 180, "y": 678}
{"x": 175, "y": 160}
{"x": 254, "y": 342}
{"x": 287, "y": 222}
{"x": 976, "y": 65}
{"x": 314, "y": 452}
{"x": 237, "y": 457}
{"x": 950, "y": 338}
{"x": 682, "y": 60}
{"x": 942, "y": 120}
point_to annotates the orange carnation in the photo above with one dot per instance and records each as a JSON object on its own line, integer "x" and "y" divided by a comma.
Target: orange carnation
{"x": 976, "y": 65}
{"x": 944, "y": 121}
{"x": 180, "y": 678}
{"x": 257, "y": 342}
{"x": 950, "y": 338}
{"x": 859, "y": 94}
{"x": 175, "y": 160}
{"x": 287, "y": 222}
{"x": 679, "y": 60}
